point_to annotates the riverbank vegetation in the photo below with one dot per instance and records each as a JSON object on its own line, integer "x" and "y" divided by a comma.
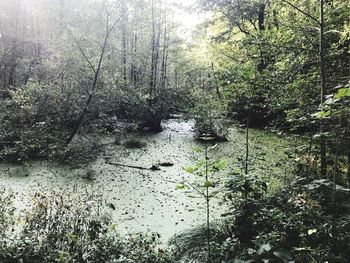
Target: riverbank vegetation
{"x": 79, "y": 77}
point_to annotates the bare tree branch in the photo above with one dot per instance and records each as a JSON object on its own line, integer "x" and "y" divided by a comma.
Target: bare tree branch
{"x": 80, "y": 120}
{"x": 80, "y": 48}
{"x": 301, "y": 11}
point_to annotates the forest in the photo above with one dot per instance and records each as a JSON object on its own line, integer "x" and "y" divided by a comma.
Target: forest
{"x": 164, "y": 131}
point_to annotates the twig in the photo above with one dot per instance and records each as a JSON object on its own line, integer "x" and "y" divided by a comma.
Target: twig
{"x": 301, "y": 11}
{"x": 129, "y": 166}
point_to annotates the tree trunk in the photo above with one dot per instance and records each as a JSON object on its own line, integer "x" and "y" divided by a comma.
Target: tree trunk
{"x": 80, "y": 120}
{"x": 165, "y": 53}
{"x": 124, "y": 40}
{"x": 153, "y": 122}
{"x": 153, "y": 52}
{"x": 261, "y": 22}
{"x": 133, "y": 67}
{"x": 207, "y": 201}
{"x": 348, "y": 154}
{"x": 348, "y": 163}
{"x": 247, "y": 145}
{"x": 323, "y": 89}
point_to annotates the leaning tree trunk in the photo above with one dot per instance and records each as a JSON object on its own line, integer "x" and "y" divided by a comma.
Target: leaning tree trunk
{"x": 80, "y": 120}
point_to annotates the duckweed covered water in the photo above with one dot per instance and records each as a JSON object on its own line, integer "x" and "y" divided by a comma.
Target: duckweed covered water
{"x": 145, "y": 200}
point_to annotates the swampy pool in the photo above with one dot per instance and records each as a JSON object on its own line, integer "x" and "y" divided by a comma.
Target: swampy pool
{"x": 145, "y": 200}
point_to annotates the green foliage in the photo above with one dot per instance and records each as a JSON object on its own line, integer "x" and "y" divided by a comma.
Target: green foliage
{"x": 6, "y": 213}
{"x": 205, "y": 170}
{"x": 295, "y": 223}
{"x": 256, "y": 61}
{"x": 190, "y": 245}
{"x": 29, "y": 128}
{"x": 209, "y": 114}
{"x": 336, "y": 106}
{"x": 69, "y": 228}
{"x": 342, "y": 92}
{"x": 69, "y": 77}
{"x": 269, "y": 68}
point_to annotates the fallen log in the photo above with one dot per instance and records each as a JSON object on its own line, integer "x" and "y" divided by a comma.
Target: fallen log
{"x": 166, "y": 164}
{"x": 152, "y": 168}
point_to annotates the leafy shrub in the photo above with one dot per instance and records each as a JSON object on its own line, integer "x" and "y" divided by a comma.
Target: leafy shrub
{"x": 6, "y": 212}
{"x": 79, "y": 151}
{"x": 70, "y": 228}
{"x": 209, "y": 113}
{"x": 297, "y": 223}
{"x": 33, "y": 120}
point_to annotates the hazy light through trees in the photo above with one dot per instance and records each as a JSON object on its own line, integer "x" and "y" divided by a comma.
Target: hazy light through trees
{"x": 187, "y": 14}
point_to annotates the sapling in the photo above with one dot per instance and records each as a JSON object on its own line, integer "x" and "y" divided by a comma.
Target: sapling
{"x": 205, "y": 169}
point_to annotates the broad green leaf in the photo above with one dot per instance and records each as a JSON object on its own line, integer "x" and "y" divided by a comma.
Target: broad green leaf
{"x": 208, "y": 184}
{"x": 322, "y": 114}
{"x": 343, "y": 92}
{"x": 221, "y": 164}
{"x": 190, "y": 169}
{"x": 180, "y": 187}
{"x": 200, "y": 163}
